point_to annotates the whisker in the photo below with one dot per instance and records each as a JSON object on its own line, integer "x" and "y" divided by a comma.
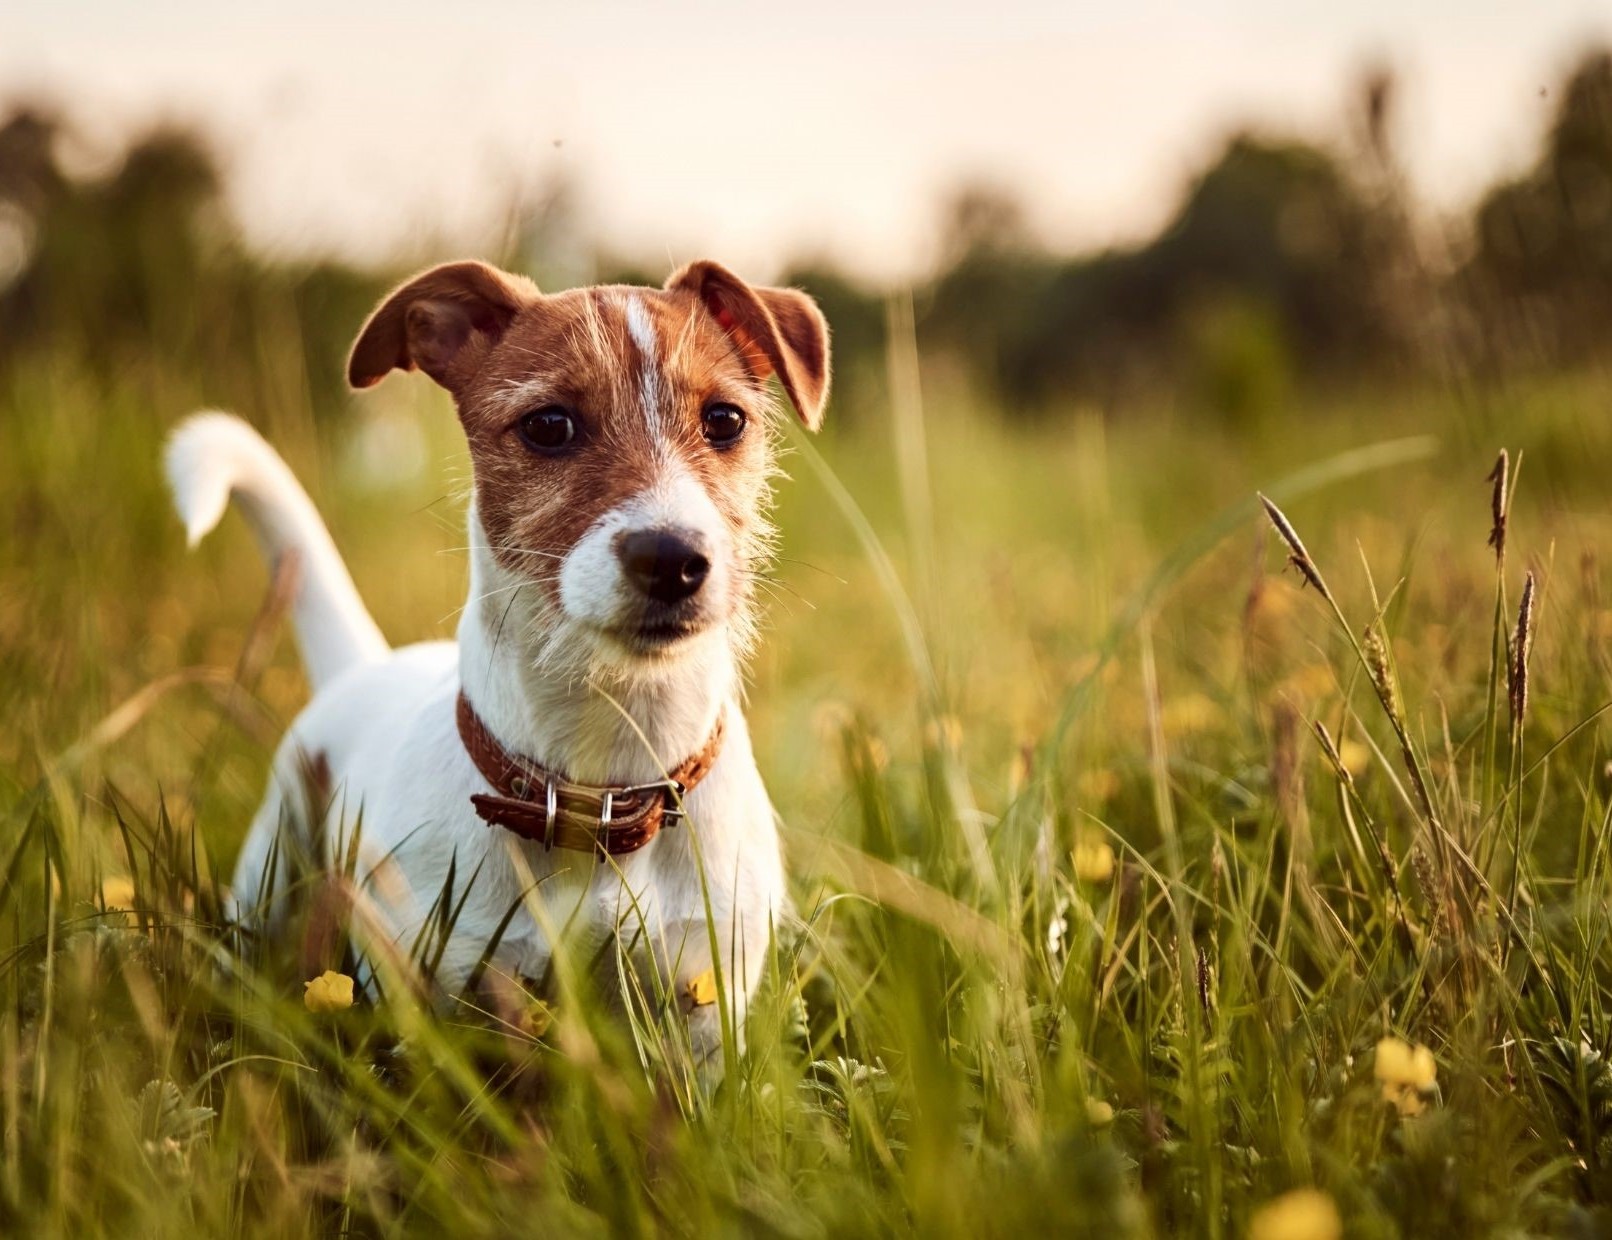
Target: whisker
{"x": 778, "y": 583}
{"x": 550, "y": 555}
{"x": 498, "y": 636}
{"x": 832, "y": 576}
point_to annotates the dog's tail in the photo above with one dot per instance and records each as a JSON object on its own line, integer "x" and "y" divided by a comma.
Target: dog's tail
{"x": 211, "y": 456}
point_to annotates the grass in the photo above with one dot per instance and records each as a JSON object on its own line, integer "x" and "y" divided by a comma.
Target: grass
{"x": 1117, "y": 851}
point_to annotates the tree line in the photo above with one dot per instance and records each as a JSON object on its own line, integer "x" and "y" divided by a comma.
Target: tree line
{"x": 1285, "y": 262}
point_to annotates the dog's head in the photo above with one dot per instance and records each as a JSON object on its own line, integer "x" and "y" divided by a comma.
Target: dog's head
{"x": 619, "y": 436}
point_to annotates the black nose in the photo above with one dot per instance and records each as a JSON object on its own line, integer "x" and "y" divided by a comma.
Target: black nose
{"x": 667, "y": 565}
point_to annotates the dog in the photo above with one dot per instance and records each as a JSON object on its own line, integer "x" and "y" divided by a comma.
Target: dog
{"x": 579, "y": 758}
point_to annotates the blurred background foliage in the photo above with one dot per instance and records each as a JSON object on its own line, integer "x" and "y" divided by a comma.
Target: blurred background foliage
{"x": 1286, "y": 264}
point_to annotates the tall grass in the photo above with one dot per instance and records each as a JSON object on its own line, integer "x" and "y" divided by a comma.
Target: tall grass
{"x": 1118, "y": 850}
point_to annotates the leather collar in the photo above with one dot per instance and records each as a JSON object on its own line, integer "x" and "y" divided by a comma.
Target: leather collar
{"x": 539, "y": 805}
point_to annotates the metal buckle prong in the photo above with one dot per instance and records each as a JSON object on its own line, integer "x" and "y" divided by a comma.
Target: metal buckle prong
{"x": 671, "y": 791}
{"x": 674, "y": 813}
{"x": 551, "y": 806}
{"x": 607, "y": 811}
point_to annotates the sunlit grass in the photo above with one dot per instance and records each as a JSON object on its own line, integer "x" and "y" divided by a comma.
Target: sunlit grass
{"x": 1137, "y": 885}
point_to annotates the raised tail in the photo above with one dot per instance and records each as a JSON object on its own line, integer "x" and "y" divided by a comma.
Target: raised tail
{"x": 211, "y": 456}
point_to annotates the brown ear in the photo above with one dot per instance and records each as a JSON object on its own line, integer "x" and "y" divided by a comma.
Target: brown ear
{"x": 779, "y": 330}
{"x": 443, "y": 321}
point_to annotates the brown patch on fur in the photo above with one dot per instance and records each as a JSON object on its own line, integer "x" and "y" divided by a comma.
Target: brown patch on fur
{"x": 778, "y": 331}
{"x": 318, "y": 788}
{"x": 443, "y": 321}
{"x": 504, "y": 350}
{"x": 329, "y": 900}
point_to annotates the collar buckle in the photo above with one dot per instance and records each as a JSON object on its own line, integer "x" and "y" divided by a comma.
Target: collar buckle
{"x": 672, "y": 792}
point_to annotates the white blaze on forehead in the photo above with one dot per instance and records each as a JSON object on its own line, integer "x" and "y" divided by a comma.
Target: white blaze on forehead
{"x": 680, "y": 501}
{"x": 651, "y": 390}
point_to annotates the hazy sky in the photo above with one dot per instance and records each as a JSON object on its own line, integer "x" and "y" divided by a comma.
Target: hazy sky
{"x": 752, "y": 132}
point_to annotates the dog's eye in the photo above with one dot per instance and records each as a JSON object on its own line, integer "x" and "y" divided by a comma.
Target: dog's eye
{"x": 723, "y": 423}
{"x": 548, "y": 429}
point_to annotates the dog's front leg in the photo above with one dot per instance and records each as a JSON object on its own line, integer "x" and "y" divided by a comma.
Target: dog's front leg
{"x": 700, "y": 982}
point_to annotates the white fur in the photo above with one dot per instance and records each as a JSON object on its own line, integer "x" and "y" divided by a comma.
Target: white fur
{"x": 549, "y": 686}
{"x": 651, "y": 392}
{"x": 212, "y": 456}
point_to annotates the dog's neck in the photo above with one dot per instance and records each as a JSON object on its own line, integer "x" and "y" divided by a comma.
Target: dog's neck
{"x": 549, "y": 691}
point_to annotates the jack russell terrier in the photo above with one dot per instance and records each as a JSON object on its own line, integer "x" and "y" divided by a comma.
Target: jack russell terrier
{"x": 585, "y": 732}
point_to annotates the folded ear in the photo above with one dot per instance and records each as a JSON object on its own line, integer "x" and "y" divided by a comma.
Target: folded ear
{"x": 443, "y": 321}
{"x": 779, "y": 330}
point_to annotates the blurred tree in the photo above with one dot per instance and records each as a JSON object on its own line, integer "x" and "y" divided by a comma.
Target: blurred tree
{"x": 1239, "y": 366}
{"x": 30, "y": 189}
{"x": 1413, "y": 293}
{"x": 1283, "y": 263}
{"x": 992, "y": 277}
{"x": 1283, "y": 224}
{"x": 1541, "y": 270}
{"x": 29, "y": 178}
{"x": 140, "y": 274}
{"x": 1278, "y": 229}
{"x": 106, "y": 259}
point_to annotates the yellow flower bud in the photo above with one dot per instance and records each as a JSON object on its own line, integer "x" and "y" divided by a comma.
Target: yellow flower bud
{"x": 1303, "y": 1214}
{"x": 702, "y": 988}
{"x": 1401, "y": 1063}
{"x": 1099, "y": 1113}
{"x": 1406, "y": 1072}
{"x": 329, "y": 992}
{"x": 1094, "y": 861}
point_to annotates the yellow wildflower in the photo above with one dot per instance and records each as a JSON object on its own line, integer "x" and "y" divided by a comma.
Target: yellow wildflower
{"x": 1094, "y": 861}
{"x": 1303, "y": 1214}
{"x": 1099, "y": 1113}
{"x": 1407, "y": 1073}
{"x": 702, "y": 988}
{"x": 329, "y": 992}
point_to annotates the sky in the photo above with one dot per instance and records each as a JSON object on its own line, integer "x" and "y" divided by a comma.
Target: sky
{"x": 759, "y": 132}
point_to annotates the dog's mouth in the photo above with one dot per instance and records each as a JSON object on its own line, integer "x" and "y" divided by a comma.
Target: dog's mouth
{"x": 660, "y": 633}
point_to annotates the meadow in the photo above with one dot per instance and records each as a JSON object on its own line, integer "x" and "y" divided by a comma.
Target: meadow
{"x": 1135, "y": 864}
